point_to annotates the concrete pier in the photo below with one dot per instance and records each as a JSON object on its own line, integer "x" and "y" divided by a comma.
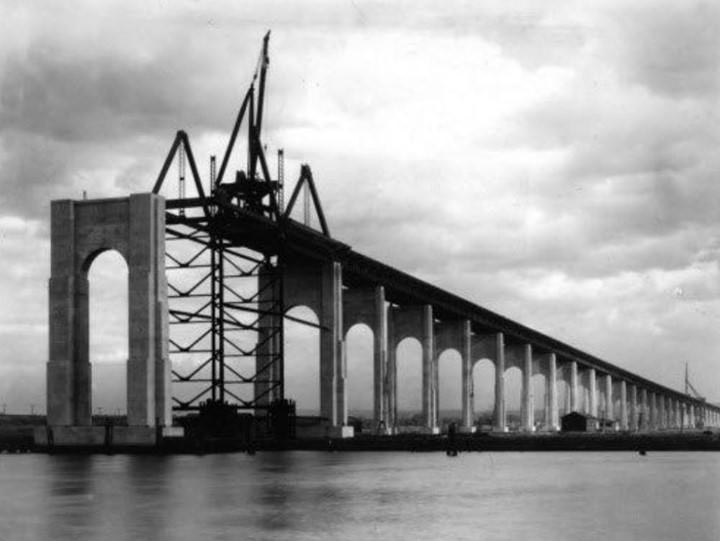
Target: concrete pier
{"x": 608, "y": 397}
{"x": 551, "y": 386}
{"x": 80, "y": 231}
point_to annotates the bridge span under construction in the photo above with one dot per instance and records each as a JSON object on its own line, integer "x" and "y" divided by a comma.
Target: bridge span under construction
{"x": 216, "y": 262}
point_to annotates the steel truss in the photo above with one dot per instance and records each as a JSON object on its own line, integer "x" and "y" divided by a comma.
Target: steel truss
{"x": 225, "y": 253}
{"x": 225, "y": 315}
{"x": 225, "y": 285}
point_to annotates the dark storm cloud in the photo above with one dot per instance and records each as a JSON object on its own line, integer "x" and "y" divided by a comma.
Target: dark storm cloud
{"x": 72, "y": 116}
{"x": 87, "y": 97}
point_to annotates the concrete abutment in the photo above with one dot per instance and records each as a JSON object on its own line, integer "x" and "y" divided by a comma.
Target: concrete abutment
{"x": 80, "y": 230}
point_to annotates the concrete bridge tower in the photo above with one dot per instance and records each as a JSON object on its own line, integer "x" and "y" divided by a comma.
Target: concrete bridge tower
{"x": 81, "y": 230}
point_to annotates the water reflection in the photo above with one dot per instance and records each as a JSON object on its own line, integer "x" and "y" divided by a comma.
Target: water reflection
{"x": 298, "y": 495}
{"x": 275, "y": 511}
{"x": 70, "y": 498}
{"x": 148, "y": 484}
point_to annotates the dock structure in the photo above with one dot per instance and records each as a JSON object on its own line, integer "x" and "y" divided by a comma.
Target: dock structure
{"x": 214, "y": 269}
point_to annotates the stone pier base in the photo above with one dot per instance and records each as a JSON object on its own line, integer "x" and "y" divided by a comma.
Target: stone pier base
{"x": 340, "y": 431}
{"x": 97, "y": 436}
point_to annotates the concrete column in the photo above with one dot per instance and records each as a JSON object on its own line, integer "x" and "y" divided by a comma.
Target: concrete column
{"x": 468, "y": 406}
{"x": 430, "y": 383}
{"x": 500, "y": 420}
{"x": 381, "y": 378}
{"x": 623, "y": 405}
{"x": 148, "y": 369}
{"x": 140, "y": 375}
{"x": 391, "y": 376}
{"x": 683, "y": 415}
{"x": 691, "y": 415}
{"x": 671, "y": 413}
{"x": 592, "y": 388}
{"x": 574, "y": 401}
{"x": 643, "y": 421}
{"x": 653, "y": 410}
{"x": 547, "y": 415}
{"x": 608, "y": 397}
{"x": 551, "y": 391}
{"x": 528, "y": 405}
{"x": 661, "y": 411}
{"x": 633, "y": 424}
{"x": 68, "y": 367}
{"x": 333, "y": 406}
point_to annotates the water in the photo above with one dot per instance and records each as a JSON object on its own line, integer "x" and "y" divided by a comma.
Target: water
{"x": 382, "y": 496}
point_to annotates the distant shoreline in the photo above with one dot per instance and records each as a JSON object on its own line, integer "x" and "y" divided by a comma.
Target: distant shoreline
{"x": 19, "y": 438}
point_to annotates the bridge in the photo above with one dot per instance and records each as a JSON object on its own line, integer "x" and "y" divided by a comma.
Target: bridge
{"x": 215, "y": 265}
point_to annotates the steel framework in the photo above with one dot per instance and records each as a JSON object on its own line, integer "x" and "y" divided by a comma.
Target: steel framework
{"x": 224, "y": 263}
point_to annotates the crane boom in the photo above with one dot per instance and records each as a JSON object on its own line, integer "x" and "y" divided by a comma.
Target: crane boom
{"x": 689, "y": 389}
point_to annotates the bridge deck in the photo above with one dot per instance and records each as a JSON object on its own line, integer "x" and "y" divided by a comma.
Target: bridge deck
{"x": 298, "y": 240}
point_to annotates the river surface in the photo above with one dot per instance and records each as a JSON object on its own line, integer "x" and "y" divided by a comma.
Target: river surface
{"x": 344, "y": 496}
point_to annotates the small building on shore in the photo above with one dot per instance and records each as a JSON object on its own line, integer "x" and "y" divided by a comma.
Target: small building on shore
{"x": 579, "y": 422}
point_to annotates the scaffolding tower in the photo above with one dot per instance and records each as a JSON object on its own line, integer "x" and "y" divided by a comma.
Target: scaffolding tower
{"x": 224, "y": 259}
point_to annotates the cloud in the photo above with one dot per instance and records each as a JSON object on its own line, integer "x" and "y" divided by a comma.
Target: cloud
{"x": 673, "y": 50}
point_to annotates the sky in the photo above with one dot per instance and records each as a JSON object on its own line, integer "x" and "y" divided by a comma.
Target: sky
{"x": 555, "y": 162}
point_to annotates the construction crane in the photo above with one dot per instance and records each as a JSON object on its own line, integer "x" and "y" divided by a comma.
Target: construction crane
{"x": 692, "y": 391}
{"x": 689, "y": 389}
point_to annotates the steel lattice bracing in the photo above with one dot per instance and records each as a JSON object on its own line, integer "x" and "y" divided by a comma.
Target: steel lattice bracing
{"x": 221, "y": 317}
{"x": 225, "y": 290}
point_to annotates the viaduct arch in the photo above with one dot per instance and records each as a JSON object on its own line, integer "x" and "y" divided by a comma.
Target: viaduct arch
{"x": 81, "y": 230}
